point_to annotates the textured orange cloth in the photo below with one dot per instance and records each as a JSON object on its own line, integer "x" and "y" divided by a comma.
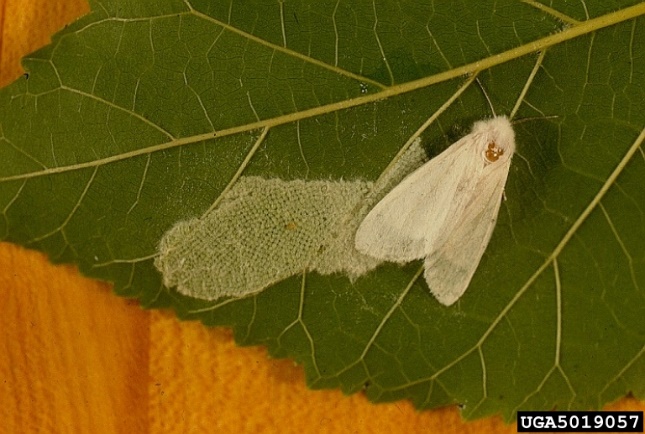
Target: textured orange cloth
{"x": 75, "y": 358}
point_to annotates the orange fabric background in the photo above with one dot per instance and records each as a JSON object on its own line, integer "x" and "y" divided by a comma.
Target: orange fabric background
{"x": 75, "y": 358}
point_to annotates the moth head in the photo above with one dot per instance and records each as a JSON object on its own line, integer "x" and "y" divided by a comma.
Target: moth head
{"x": 496, "y": 137}
{"x": 492, "y": 153}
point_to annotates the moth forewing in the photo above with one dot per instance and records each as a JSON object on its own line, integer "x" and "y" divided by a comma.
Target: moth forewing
{"x": 446, "y": 210}
{"x": 450, "y": 269}
{"x": 392, "y": 231}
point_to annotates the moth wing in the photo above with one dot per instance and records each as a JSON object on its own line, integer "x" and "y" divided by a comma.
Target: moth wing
{"x": 414, "y": 214}
{"x": 450, "y": 268}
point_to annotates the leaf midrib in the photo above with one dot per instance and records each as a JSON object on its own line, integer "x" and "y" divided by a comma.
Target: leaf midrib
{"x": 471, "y": 68}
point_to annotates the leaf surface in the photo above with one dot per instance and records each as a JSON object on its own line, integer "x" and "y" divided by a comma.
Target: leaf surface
{"x": 141, "y": 114}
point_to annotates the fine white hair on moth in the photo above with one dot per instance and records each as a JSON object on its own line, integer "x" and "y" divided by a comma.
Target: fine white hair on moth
{"x": 445, "y": 211}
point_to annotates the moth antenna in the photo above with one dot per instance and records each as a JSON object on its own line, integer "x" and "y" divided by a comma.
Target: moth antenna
{"x": 486, "y": 95}
{"x": 534, "y": 118}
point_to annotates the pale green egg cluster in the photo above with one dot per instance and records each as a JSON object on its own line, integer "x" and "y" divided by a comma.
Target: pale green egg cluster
{"x": 266, "y": 230}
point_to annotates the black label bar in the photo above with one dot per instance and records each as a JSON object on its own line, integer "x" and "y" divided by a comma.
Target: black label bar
{"x": 579, "y": 421}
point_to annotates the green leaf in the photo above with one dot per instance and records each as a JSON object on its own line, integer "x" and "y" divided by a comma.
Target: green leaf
{"x": 140, "y": 114}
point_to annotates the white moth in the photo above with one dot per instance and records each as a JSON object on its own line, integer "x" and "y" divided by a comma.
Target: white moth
{"x": 445, "y": 211}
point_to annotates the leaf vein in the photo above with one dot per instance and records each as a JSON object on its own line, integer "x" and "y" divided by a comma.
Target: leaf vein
{"x": 70, "y": 214}
{"x": 380, "y": 45}
{"x": 285, "y": 50}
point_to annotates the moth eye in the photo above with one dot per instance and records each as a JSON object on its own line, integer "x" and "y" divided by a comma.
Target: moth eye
{"x": 492, "y": 152}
